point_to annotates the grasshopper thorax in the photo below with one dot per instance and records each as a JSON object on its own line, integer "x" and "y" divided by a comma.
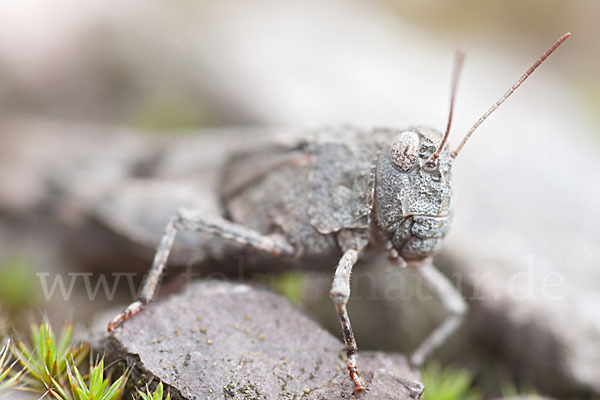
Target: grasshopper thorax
{"x": 412, "y": 193}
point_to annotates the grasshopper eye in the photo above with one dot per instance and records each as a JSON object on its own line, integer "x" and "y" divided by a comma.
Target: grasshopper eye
{"x": 404, "y": 151}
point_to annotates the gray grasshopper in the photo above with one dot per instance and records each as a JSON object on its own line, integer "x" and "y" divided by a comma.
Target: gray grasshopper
{"x": 334, "y": 197}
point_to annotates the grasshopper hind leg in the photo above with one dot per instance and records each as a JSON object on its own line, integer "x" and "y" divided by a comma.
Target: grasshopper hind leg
{"x": 192, "y": 220}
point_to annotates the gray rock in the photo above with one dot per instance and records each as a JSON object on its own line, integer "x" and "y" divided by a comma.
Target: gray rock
{"x": 220, "y": 340}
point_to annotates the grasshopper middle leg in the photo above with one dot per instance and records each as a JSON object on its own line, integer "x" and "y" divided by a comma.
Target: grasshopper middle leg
{"x": 192, "y": 220}
{"x": 452, "y": 301}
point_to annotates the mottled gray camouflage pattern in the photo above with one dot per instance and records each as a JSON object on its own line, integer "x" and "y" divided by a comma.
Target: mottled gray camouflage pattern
{"x": 343, "y": 179}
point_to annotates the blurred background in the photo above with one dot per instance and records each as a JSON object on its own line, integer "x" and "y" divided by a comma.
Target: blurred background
{"x": 149, "y": 64}
{"x": 94, "y": 95}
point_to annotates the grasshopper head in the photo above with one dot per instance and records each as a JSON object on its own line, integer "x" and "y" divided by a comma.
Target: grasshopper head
{"x": 412, "y": 193}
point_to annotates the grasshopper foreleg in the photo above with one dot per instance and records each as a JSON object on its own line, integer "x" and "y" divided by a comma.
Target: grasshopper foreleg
{"x": 340, "y": 293}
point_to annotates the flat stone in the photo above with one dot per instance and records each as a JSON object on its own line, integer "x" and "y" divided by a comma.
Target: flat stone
{"x": 220, "y": 340}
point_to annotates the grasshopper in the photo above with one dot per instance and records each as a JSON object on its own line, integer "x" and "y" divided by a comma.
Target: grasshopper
{"x": 335, "y": 197}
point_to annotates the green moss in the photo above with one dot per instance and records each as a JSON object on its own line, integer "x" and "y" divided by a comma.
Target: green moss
{"x": 290, "y": 285}
{"x": 156, "y": 395}
{"x": 168, "y": 112}
{"x": 448, "y": 384}
{"x": 509, "y": 389}
{"x": 18, "y": 284}
{"x": 96, "y": 387}
{"x": 46, "y": 362}
{"x": 51, "y": 366}
{"x": 8, "y": 378}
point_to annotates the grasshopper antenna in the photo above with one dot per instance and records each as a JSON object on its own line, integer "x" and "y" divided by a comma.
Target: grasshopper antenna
{"x": 509, "y": 92}
{"x": 459, "y": 59}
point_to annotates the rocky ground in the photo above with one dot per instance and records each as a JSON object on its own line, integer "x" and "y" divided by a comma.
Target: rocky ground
{"x": 220, "y": 340}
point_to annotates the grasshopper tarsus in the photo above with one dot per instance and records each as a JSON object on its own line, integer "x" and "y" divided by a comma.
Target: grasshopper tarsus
{"x": 131, "y": 311}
